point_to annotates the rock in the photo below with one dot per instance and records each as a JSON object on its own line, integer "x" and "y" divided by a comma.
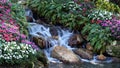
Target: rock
{"x": 116, "y": 60}
{"x": 113, "y": 50}
{"x": 39, "y": 42}
{"x": 83, "y": 53}
{"x": 53, "y": 31}
{"x": 39, "y": 64}
{"x": 101, "y": 57}
{"x": 65, "y": 55}
{"x": 76, "y": 40}
{"x": 89, "y": 47}
{"x": 55, "y": 37}
{"x": 29, "y": 19}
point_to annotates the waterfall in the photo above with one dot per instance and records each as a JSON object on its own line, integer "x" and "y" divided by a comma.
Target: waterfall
{"x": 44, "y": 32}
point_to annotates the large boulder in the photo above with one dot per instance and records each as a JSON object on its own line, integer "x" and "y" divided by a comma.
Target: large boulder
{"x": 65, "y": 55}
{"x": 76, "y": 40}
{"x": 83, "y": 53}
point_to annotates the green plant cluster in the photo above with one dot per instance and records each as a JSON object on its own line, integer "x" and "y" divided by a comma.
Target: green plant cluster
{"x": 18, "y": 13}
{"x": 109, "y": 6}
{"x": 68, "y": 14}
{"x": 98, "y": 36}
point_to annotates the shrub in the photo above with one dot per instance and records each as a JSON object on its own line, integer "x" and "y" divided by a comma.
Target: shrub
{"x": 68, "y": 14}
{"x": 108, "y": 6}
{"x": 98, "y": 37}
{"x": 18, "y": 13}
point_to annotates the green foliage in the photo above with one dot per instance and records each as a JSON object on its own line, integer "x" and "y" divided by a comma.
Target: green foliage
{"x": 18, "y": 13}
{"x": 105, "y": 5}
{"x": 98, "y": 37}
{"x": 68, "y": 14}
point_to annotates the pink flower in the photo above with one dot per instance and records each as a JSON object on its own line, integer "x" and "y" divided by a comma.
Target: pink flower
{"x": 23, "y": 36}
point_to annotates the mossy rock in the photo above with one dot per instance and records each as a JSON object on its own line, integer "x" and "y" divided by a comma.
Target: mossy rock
{"x": 113, "y": 50}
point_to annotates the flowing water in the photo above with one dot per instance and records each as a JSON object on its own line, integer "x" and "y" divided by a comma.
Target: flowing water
{"x": 44, "y": 32}
{"x": 63, "y": 36}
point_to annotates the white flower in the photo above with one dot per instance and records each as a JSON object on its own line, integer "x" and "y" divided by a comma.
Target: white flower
{"x": 18, "y": 47}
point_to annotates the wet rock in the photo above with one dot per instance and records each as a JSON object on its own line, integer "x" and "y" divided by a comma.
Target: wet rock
{"x": 101, "y": 57}
{"x": 76, "y": 40}
{"x": 55, "y": 37}
{"x": 29, "y": 19}
{"x": 116, "y": 60}
{"x": 83, "y": 53}
{"x": 39, "y": 21}
{"x": 53, "y": 31}
{"x": 42, "y": 58}
{"x": 65, "y": 55}
{"x": 39, "y": 64}
{"x": 113, "y": 50}
{"x": 39, "y": 42}
{"x": 28, "y": 14}
{"x": 89, "y": 47}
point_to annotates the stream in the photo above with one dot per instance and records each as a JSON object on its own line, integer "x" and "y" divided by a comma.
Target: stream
{"x": 42, "y": 31}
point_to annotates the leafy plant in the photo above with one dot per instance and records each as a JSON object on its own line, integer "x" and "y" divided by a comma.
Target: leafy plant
{"x": 68, "y": 14}
{"x": 98, "y": 37}
{"x": 108, "y": 6}
{"x": 18, "y": 13}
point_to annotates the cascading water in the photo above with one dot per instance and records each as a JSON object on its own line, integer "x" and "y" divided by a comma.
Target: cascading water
{"x": 63, "y": 37}
{"x": 44, "y": 32}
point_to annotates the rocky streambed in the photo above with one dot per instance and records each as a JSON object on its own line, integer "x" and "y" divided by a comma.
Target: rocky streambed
{"x": 67, "y": 49}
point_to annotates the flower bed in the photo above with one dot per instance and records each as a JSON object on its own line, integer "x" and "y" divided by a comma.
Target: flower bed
{"x": 14, "y": 46}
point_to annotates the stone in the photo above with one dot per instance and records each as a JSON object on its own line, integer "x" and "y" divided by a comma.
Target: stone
{"x": 55, "y": 37}
{"x": 89, "y": 47}
{"x": 113, "y": 50}
{"x": 39, "y": 42}
{"x": 65, "y": 55}
{"x": 53, "y": 31}
{"x": 75, "y": 40}
{"x": 83, "y": 53}
{"x": 101, "y": 57}
{"x": 115, "y": 60}
{"x": 29, "y": 19}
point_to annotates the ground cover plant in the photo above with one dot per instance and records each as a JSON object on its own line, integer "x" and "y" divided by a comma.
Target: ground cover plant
{"x": 14, "y": 46}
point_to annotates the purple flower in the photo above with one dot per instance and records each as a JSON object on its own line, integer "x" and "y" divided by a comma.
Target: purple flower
{"x": 114, "y": 26}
